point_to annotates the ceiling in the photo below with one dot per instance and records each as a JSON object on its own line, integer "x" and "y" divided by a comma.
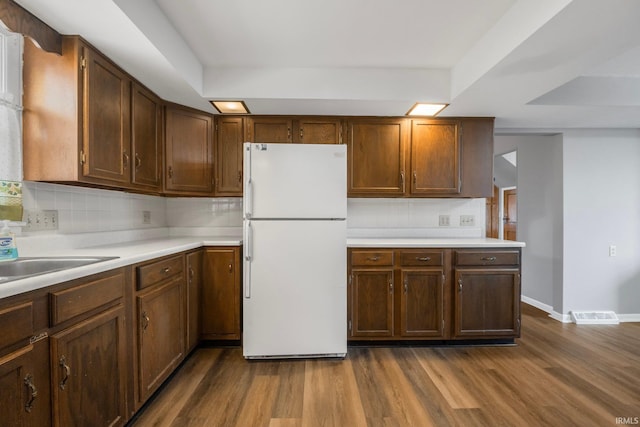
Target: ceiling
{"x": 532, "y": 64}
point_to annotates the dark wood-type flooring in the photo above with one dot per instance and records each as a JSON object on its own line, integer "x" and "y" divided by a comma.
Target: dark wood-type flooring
{"x": 557, "y": 375}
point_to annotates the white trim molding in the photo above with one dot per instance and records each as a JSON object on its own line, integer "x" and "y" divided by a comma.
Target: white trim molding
{"x": 566, "y": 318}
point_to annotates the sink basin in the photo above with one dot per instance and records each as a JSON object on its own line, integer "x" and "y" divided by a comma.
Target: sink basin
{"x": 27, "y": 266}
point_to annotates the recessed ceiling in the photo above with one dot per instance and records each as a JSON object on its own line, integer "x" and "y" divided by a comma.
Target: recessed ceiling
{"x": 540, "y": 64}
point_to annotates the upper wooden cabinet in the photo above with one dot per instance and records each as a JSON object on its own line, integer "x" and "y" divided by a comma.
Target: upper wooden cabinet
{"x": 188, "y": 151}
{"x": 82, "y": 124}
{"x": 146, "y": 138}
{"x": 398, "y": 157}
{"x": 229, "y": 139}
{"x": 376, "y": 157}
{"x": 303, "y": 129}
{"x": 435, "y": 157}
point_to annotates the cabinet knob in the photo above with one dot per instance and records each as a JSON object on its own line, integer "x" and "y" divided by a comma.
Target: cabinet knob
{"x": 230, "y": 268}
{"x": 125, "y": 159}
{"x": 402, "y": 180}
{"x": 166, "y": 270}
{"x": 138, "y": 161}
{"x": 145, "y": 321}
{"x": 391, "y": 287}
{"x": 170, "y": 172}
{"x": 459, "y": 285}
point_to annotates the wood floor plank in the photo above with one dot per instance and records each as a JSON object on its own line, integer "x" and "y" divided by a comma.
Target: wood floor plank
{"x": 557, "y": 374}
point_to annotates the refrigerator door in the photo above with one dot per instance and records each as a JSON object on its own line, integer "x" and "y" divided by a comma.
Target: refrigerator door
{"x": 294, "y": 296}
{"x": 295, "y": 181}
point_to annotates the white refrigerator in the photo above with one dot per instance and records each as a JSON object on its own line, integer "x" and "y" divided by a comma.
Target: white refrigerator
{"x": 294, "y": 251}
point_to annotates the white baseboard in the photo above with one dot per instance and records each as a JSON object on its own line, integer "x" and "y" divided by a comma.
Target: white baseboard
{"x": 566, "y": 318}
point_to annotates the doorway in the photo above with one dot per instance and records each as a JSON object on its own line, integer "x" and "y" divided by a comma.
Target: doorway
{"x": 502, "y": 208}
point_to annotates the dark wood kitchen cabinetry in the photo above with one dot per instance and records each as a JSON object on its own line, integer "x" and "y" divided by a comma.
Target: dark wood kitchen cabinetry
{"x": 435, "y": 157}
{"x": 188, "y": 151}
{"x": 398, "y": 157}
{"x": 89, "y": 352}
{"x": 376, "y": 150}
{"x": 229, "y": 140}
{"x": 194, "y": 295}
{"x": 397, "y": 294}
{"x": 221, "y": 293}
{"x": 487, "y": 293}
{"x": 88, "y": 122}
{"x": 24, "y": 368}
{"x": 160, "y": 322}
{"x": 146, "y": 139}
{"x": 296, "y": 129}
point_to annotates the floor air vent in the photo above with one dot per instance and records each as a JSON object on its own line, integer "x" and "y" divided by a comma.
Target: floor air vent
{"x": 594, "y": 317}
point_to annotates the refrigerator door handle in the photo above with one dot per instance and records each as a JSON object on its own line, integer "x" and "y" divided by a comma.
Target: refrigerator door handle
{"x": 247, "y": 261}
{"x": 249, "y": 199}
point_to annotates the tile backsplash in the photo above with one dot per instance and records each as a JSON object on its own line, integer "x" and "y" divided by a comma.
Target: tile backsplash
{"x": 83, "y": 210}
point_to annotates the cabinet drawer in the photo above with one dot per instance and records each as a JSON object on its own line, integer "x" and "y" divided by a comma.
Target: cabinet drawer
{"x": 421, "y": 258}
{"x": 69, "y": 303}
{"x": 373, "y": 258}
{"x": 16, "y": 324}
{"x": 488, "y": 257}
{"x": 159, "y": 271}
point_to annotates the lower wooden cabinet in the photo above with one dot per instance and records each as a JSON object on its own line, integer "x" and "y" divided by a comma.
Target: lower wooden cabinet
{"x": 194, "y": 294}
{"x": 24, "y": 386}
{"x": 409, "y": 294}
{"x": 220, "y": 306}
{"x": 160, "y": 320}
{"x": 88, "y": 365}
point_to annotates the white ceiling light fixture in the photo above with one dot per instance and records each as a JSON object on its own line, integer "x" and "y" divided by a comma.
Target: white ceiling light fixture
{"x": 425, "y": 109}
{"x": 230, "y": 107}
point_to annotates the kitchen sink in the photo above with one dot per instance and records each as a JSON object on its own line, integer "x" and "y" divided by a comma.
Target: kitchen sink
{"x": 33, "y": 266}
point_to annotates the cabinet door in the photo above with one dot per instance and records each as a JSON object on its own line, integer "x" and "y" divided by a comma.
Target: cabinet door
{"x": 161, "y": 334}
{"x": 487, "y": 302}
{"x": 189, "y": 145}
{"x": 376, "y": 157}
{"x": 230, "y": 136}
{"x": 435, "y": 157}
{"x": 106, "y": 119}
{"x": 146, "y": 138}
{"x": 221, "y": 294}
{"x": 269, "y": 129}
{"x": 372, "y": 303}
{"x": 18, "y": 388}
{"x": 319, "y": 131}
{"x": 422, "y": 303}
{"x": 88, "y": 372}
{"x": 194, "y": 288}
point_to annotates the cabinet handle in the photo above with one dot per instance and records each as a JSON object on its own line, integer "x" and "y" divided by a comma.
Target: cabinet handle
{"x": 402, "y": 180}
{"x": 391, "y": 287}
{"x": 301, "y": 134}
{"x": 289, "y": 134}
{"x": 415, "y": 178}
{"x": 166, "y": 270}
{"x": 138, "y": 161}
{"x": 373, "y": 258}
{"x": 406, "y": 286}
{"x": 230, "y": 268}
{"x": 145, "y": 321}
{"x": 67, "y": 371}
{"x": 170, "y": 172}
{"x": 191, "y": 273}
{"x": 488, "y": 258}
{"x": 459, "y": 285}
{"x": 424, "y": 258}
{"x": 33, "y": 392}
{"x": 239, "y": 177}
{"x": 125, "y": 159}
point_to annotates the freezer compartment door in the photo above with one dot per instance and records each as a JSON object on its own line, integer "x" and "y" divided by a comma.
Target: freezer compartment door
{"x": 295, "y": 181}
{"x": 295, "y": 298}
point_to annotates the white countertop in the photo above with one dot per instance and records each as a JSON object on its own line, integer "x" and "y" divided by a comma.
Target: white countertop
{"x": 128, "y": 253}
{"x": 420, "y": 242}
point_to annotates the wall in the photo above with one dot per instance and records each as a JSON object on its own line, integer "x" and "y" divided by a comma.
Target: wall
{"x": 602, "y": 208}
{"x": 84, "y": 210}
{"x": 540, "y": 189}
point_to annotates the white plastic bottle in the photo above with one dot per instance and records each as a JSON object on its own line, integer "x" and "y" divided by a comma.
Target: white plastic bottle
{"x": 8, "y": 249}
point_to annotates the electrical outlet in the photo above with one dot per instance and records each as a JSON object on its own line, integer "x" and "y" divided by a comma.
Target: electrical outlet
{"x": 146, "y": 217}
{"x": 40, "y": 220}
{"x": 613, "y": 251}
{"x": 444, "y": 221}
{"x": 467, "y": 220}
